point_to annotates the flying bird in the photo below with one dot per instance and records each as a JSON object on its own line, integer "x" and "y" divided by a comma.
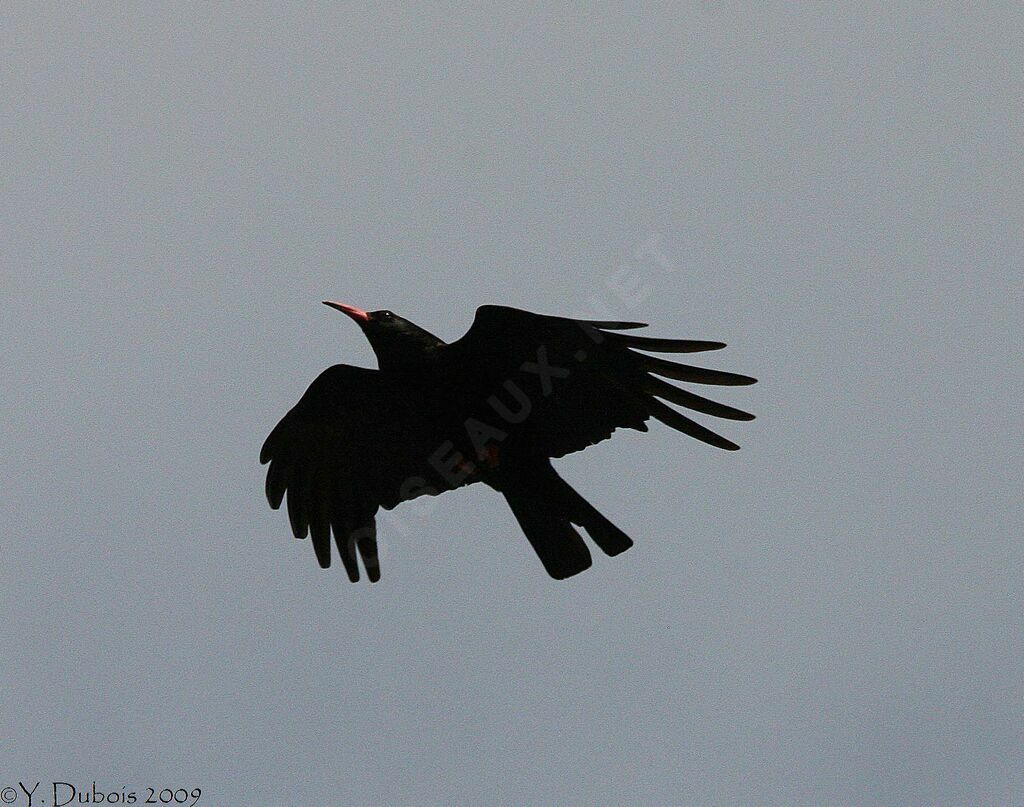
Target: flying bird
{"x": 495, "y": 407}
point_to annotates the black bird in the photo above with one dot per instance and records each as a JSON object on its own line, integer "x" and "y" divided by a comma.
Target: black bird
{"x": 493, "y": 407}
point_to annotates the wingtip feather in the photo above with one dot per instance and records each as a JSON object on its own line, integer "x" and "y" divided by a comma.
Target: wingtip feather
{"x": 679, "y": 422}
{"x": 653, "y": 345}
{"x": 695, "y": 375}
{"x": 613, "y": 325}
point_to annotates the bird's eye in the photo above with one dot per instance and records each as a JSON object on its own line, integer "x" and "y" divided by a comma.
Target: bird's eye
{"x": 386, "y": 315}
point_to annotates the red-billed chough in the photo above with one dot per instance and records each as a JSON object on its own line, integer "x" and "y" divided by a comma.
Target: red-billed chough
{"x": 493, "y": 407}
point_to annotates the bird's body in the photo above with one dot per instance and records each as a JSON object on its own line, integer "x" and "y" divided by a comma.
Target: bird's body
{"x": 493, "y": 407}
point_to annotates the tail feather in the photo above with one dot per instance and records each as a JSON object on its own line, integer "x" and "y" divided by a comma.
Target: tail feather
{"x": 546, "y": 507}
{"x": 559, "y": 547}
{"x": 606, "y": 535}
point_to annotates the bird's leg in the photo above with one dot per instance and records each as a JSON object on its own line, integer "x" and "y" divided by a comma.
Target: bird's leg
{"x": 465, "y": 466}
{"x": 490, "y": 456}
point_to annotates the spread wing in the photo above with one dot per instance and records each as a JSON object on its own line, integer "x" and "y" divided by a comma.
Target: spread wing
{"x": 583, "y": 379}
{"x": 356, "y": 441}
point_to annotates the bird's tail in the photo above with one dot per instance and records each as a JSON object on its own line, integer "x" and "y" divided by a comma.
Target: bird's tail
{"x": 546, "y": 507}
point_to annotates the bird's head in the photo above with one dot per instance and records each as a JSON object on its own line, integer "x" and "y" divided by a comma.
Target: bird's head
{"x": 394, "y": 339}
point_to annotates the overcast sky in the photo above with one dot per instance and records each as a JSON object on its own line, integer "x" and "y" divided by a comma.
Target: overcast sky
{"x": 832, "y": 614}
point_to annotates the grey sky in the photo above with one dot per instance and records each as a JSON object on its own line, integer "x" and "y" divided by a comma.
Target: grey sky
{"x": 833, "y": 614}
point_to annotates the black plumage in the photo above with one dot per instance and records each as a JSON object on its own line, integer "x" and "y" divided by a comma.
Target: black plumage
{"x": 517, "y": 390}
